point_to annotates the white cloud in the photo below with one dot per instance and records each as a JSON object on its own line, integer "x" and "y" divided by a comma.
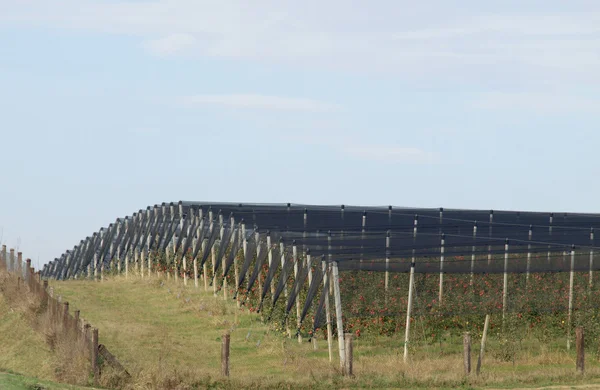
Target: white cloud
{"x": 437, "y": 38}
{"x": 392, "y": 154}
{"x": 170, "y": 44}
{"x": 261, "y": 102}
{"x": 355, "y": 147}
{"x": 145, "y": 131}
{"x": 545, "y": 103}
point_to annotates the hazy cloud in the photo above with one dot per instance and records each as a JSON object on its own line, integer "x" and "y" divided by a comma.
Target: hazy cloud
{"x": 170, "y": 44}
{"x": 555, "y": 102}
{"x": 253, "y": 101}
{"x": 402, "y": 36}
{"x": 392, "y": 154}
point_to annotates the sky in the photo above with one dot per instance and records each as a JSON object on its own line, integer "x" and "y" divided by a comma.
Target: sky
{"x": 107, "y": 107}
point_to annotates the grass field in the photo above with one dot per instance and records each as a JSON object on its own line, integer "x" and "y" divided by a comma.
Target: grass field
{"x": 169, "y": 336}
{"x": 24, "y": 351}
{"x": 11, "y": 381}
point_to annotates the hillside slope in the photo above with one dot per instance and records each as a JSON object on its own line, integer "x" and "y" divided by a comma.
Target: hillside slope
{"x": 167, "y": 335}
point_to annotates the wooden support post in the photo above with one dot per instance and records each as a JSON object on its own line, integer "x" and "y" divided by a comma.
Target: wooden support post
{"x": 327, "y": 309}
{"x": 150, "y": 257}
{"x": 282, "y": 259}
{"x": 225, "y": 288}
{"x": 259, "y": 277}
{"x": 11, "y": 267}
{"x": 348, "y": 370}
{"x": 569, "y": 314}
{"x": 338, "y": 313}
{"x": 87, "y": 330}
{"x": 94, "y": 358}
{"x": 528, "y": 256}
{"x": 236, "y": 271}
{"x": 467, "y": 353}
{"x": 185, "y": 278}
{"x": 550, "y": 234}
{"x": 28, "y": 271}
{"x": 490, "y": 236}
{"x": 95, "y": 266}
{"x": 580, "y": 345}
{"x": 205, "y": 267}
{"x": 76, "y": 314}
{"x": 213, "y": 256}
{"x": 441, "y": 289}
{"x": 65, "y": 316}
{"x": 411, "y": 286}
{"x": 298, "y": 309}
{"x": 473, "y": 248}
{"x": 591, "y": 281}
{"x": 483, "y": 339}
{"x": 142, "y": 261}
{"x": 196, "y": 271}
{"x": 225, "y": 354}
{"x": 386, "y": 282}
{"x": 4, "y": 262}
{"x": 270, "y": 259}
{"x": 505, "y": 282}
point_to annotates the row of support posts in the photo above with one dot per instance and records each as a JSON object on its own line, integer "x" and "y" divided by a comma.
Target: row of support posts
{"x": 330, "y": 269}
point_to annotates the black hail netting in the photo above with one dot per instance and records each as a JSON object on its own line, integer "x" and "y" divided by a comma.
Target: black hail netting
{"x": 374, "y": 248}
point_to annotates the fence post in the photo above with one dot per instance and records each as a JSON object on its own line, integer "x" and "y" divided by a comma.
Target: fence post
{"x": 338, "y": 313}
{"x": 86, "y": 336}
{"x": 94, "y": 351}
{"x": 11, "y": 267}
{"x": 442, "y": 258}
{"x": 65, "y": 316}
{"x": 580, "y": 344}
{"x": 28, "y": 272}
{"x": 571, "y": 281}
{"x": 411, "y": 286}
{"x": 76, "y": 322}
{"x": 467, "y": 353}
{"x": 349, "y": 352}
{"x": 225, "y": 354}
{"x": 327, "y": 309}
{"x": 483, "y": 339}
{"x": 4, "y": 264}
{"x": 505, "y": 282}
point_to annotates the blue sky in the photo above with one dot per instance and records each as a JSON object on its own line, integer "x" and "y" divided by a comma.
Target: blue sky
{"x": 110, "y": 106}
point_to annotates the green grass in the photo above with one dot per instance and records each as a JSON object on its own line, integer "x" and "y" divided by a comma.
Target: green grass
{"x": 11, "y": 381}
{"x": 21, "y": 348}
{"x": 24, "y": 351}
{"x": 169, "y": 336}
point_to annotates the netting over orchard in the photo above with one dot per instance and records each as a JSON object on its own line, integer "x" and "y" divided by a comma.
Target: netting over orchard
{"x": 363, "y": 238}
